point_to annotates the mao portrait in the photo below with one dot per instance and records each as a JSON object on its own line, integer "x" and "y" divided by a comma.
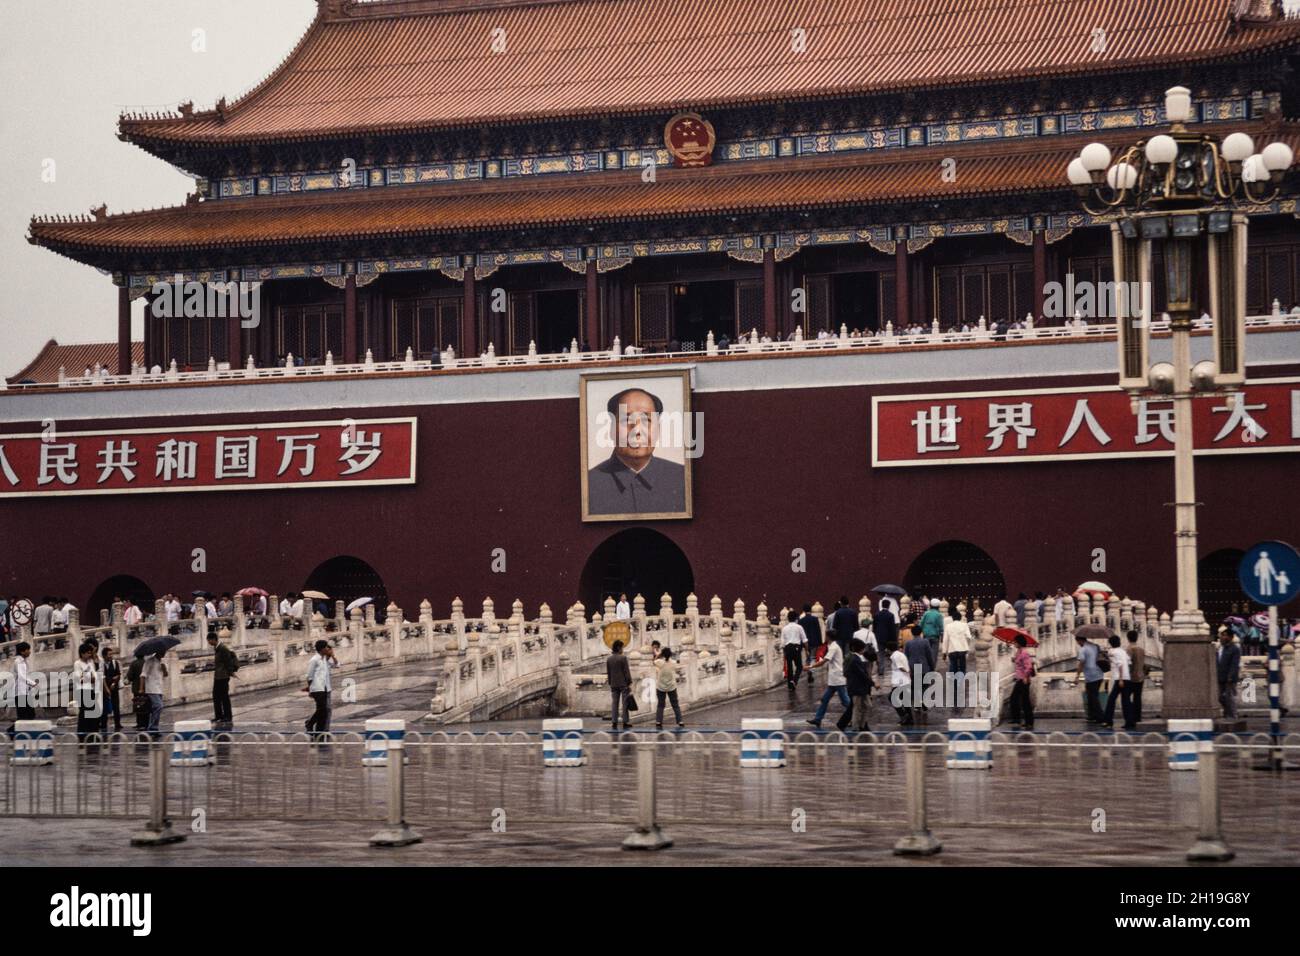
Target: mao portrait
{"x": 636, "y": 446}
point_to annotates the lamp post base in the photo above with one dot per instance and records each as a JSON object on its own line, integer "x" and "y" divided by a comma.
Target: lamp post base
{"x": 1190, "y": 681}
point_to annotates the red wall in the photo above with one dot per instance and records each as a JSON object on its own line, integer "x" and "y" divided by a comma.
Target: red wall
{"x": 781, "y": 469}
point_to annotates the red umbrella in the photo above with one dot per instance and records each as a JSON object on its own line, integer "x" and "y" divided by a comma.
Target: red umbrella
{"x": 251, "y": 592}
{"x": 1008, "y": 634}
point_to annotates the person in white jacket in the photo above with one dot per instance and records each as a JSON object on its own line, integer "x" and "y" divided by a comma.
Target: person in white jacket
{"x": 900, "y": 682}
{"x": 956, "y": 640}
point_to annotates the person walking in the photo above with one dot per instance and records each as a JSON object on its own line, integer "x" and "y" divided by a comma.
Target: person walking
{"x": 319, "y": 685}
{"x": 139, "y": 702}
{"x": 620, "y": 684}
{"x": 1137, "y": 668}
{"x": 1092, "y": 674}
{"x": 843, "y": 623}
{"x": 152, "y": 674}
{"x": 867, "y": 636}
{"x": 24, "y": 685}
{"x": 1022, "y": 702}
{"x": 956, "y": 641}
{"x": 885, "y": 627}
{"x": 812, "y": 628}
{"x": 900, "y": 682}
{"x": 857, "y": 680}
{"x": 225, "y": 664}
{"x": 836, "y": 685}
{"x": 666, "y": 688}
{"x": 793, "y": 642}
{"x": 933, "y": 626}
{"x": 1119, "y": 687}
{"x": 112, "y": 695}
{"x": 622, "y": 610}
{"x": 85, "y": 682}
{"x": 920, "y": 661}
{"x": 1229, "y": 672}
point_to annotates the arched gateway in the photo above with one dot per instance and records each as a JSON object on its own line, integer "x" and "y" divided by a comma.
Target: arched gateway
{"x": 956, "y": 570}
{"x": 637, "y": 561}
{"x": 346, "y": 579}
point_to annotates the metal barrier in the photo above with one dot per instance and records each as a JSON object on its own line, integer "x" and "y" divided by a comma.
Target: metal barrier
{"x": 888, "y": 789}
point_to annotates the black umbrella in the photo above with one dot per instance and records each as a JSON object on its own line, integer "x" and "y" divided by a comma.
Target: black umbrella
{"x": 202, "y": 593}
{"x": 891, "y": 589}
{"x": 154, "y": 645}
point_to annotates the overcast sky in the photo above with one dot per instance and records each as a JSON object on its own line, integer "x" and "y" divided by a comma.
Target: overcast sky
{"x": 68, "y": 68}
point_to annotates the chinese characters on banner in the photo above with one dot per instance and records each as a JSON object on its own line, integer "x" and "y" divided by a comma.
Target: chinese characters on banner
{"x": 1066, "y": 424}
{"x": 209, "y": 458}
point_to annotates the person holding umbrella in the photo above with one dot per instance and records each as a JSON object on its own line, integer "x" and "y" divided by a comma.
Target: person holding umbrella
{"x": 150, "y": 674}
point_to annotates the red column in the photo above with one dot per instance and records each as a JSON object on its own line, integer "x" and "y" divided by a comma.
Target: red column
{"x": 769, "y": 293}
{"x": 902, "y": 294}
{"x": 123, "y": 330}
{"x": 350, "y": 320}
{"x": 469, "y": 316}
{"x": 1040, "y": 275}
{"x": 592, "y": 335}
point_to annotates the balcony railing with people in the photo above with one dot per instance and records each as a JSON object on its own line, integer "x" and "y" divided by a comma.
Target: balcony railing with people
{"x": 748, "y": 344}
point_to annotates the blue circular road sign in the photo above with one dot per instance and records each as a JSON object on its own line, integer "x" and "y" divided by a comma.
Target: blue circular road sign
{"x": 1270, "y": 573}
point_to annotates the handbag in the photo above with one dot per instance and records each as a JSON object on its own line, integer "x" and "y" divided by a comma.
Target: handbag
{"x": 631, "y": 700}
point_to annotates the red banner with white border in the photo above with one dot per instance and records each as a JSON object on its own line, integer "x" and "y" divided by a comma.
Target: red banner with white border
{"x": 322, "y": 454}
{"x": 1062, "y": 424}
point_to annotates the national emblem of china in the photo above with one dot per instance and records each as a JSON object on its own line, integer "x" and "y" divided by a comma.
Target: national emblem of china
{"x": 690, "y": 139}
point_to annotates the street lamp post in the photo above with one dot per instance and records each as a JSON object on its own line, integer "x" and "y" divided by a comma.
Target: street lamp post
{"x": 1183, "y": 193}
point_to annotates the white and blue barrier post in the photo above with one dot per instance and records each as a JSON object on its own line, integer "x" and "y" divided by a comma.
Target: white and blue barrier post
{"x": 386, "y": 739}
{"x": 562, "y": 742}
{"x": 1188, "y": 739}
{"x": 193, "y": 744}
{"x": 968, "y": 743}
{"x": 762, "y": 742}
{"x": 383, "y": 736}
{"x": 33, "y": 743}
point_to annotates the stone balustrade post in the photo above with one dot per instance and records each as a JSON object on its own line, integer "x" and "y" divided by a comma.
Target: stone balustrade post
{"x": 1049, "y": 617}
{"x": 277, "y": 660}
{"x": 1032, "y": 624}
{"x": 666, "y": 617}
{"x": 763, "y": 631}
{"x": 1113, "y": 614}
{"x": 458, "y": 620}
{"x": 1125, "y": 617}
{"x": 715, "y": 612}
{"x": 396, "y": 622}
{"x": 239, "y": 627}
{"x": 74, "y": 631}
{"x": 200, "y": 623}
{"x": 1068, "y": 616}
{"x": 273, "y": 609}
{"x": 819, "y": 612}
{"x": 904, "y": 607}
{"x": 738, "y": 623}
{"x": 608, "y": 609}
{"x": 638, "y": 619}
{"x": 692, "y": 637}
{"x": 691, "y": 661}
{"x": 426, "y": 627}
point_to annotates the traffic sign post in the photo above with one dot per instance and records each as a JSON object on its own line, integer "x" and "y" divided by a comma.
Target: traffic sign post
{"x": 1270, "y": 575}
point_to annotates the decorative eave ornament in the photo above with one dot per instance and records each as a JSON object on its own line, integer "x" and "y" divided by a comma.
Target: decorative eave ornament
{"x": 690, "y": 139}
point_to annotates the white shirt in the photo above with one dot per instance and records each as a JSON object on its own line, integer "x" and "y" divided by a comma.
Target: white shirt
{"x": 58, "y": 618}
{"x": 956, "y": 638}
{"x": 296, "y": 609}
{"x": 84, "y": 674}
{"x": 285, "y": 608}
{"x": 153, "y": 676}
{"x": 41, "y": 621}
{"x": 792, "y": 633}
{"x": 132, "y": 615}
{"x": 1002, "y": 611}
{"x": 623, "y": 611}
{"x": 834, "y": 665}
{"x": 209, "y": 610}
{"x": 21, "y": 680}
{"x": 867, "y": 636}
{"x": 899, "y": 677}
{"x": 172, "y": 610}
{"x": 318, "y": 674}
{"x": 1120, "y": 663}
{"x": 260, "y": 607}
